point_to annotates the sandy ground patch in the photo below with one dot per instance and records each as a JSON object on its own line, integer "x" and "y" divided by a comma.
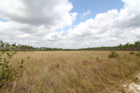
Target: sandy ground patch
{"x": 133, "y": 87}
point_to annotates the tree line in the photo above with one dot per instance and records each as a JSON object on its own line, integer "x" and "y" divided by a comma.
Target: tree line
{"x": 127, "y": 46}
{"x": 6, "y": 47}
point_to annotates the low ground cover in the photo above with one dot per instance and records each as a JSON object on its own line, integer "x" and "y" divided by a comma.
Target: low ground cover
{"x": 73, "y": 72}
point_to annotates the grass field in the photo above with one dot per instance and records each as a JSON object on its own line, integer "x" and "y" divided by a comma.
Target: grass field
{"x": 73, "y": 72}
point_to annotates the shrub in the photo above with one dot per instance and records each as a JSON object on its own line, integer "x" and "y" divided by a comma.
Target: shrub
{"x": 28, "y": 57}
{"x": 7, "y": 72}
{"x": 113, "y": 54}
{"x": 131, "y": 52}
{"x": 125, "y": 56}
{"x": 138, "y": 54}
{"x": 57, "y": 65}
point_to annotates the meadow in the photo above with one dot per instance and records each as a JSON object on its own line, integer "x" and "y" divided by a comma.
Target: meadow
{"x": 73, "y": 72}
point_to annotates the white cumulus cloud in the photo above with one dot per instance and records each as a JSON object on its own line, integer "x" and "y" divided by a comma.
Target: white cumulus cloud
{"x": 35, "y": 22}
{"x": 38, "y": 12}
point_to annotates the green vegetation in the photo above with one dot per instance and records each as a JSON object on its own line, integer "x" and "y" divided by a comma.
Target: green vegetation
{"x": 28, "y": 57}
{"x": 126, "y": 47}
{"x": 113, "y": 54}
{"x": 138, "y": 54}
{"x": 135, "y": 79}
{"x": 57, "y": 65}
{"x": 6, "y": 46}
{"x": 7, "y": 72}
{"x": 131, "y": 52}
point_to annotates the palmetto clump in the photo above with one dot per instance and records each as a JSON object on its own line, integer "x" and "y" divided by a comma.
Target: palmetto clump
{"x": 113, "y": 54}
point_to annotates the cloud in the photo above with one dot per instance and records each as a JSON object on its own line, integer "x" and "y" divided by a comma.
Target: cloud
{"x": 42, "y": 12}
{"x": 36, "y": 23}
{"x": 129, "y": 16}
{"x": 106, "y": 29}
{"x": 87, "y": 13}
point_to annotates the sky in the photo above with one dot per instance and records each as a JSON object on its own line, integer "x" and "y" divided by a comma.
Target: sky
{"x": 70, "y": 23}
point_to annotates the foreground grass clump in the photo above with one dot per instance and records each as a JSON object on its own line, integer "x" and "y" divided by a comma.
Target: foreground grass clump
{"x": 113, "y": 54}
{"x": 73, "y": 72}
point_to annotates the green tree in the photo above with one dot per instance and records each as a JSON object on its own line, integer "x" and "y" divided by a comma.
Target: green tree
{"x": 2, "y": 45}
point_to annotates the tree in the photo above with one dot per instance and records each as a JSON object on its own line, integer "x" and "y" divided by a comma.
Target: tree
{"x": 1, "y": 44}
{"x": 14, "y": 46}
{"x": 7, "y": 46}
{"x": 137, "y": 44}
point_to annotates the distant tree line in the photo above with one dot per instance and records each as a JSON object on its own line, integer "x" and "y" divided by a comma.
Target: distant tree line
{"x": 127, "y": 46}
{"x": 6, "y": 47}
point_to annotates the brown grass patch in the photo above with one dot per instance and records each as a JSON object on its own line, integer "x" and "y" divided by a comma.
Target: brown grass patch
{"x": 78, "y": 72}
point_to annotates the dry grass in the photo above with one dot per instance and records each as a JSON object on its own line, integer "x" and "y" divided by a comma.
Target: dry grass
{"x": 73, "y": 72}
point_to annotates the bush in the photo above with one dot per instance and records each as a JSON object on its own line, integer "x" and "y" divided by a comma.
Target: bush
{"x": 131, "y": 52}
{"x": 7, "y": 72}
{"x": 113, "y": 54}
{"x": 138, "y": 54}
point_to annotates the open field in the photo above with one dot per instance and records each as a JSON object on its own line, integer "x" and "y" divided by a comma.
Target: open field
{"x": 73, "y": 72}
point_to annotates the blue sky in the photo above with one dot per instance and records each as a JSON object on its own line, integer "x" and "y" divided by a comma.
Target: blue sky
{"x": 70, "y": 23}
{"x": 95, "y": 6}
{"x": 3, "y": 20}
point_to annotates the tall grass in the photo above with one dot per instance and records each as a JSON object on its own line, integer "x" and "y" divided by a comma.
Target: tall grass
{"x": 73, "y": 72}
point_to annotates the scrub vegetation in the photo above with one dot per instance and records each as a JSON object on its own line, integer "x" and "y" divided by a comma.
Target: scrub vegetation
{"x": 18, "y": 47}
